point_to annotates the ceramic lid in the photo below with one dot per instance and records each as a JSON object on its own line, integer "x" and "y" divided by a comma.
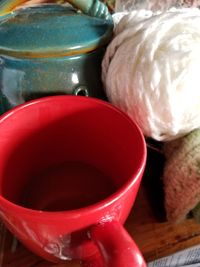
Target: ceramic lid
{"x": 51, "y": 30}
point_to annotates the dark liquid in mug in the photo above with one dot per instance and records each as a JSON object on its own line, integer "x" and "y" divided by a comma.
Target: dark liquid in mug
{"x": 67, "y": 186}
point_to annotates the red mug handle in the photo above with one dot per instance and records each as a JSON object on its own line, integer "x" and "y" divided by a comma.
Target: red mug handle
{"x": 116, "y": 246}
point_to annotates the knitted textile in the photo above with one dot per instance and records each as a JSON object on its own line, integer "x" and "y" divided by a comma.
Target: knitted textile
{"x": 154, "y": 5}
{"x": 151, "y": 71}
{"x": 181, "y": 176}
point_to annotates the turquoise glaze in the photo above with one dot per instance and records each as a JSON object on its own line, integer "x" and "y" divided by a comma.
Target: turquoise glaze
{"x": 51, "y": 49}
{"x": 23, "y": 79}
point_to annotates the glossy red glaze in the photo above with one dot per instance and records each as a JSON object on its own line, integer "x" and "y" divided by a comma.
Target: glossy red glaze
{"x": 70, "y": 169}
{"x": 117, "y": 247}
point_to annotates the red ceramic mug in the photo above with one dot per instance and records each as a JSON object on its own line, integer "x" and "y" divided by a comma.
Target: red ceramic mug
{"x": 70, "y": 169}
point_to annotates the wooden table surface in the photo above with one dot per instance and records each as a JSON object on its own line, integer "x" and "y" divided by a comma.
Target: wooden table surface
{"x": 146, "y": 224}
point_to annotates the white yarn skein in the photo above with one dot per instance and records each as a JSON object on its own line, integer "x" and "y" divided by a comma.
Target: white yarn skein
{"x": 151, "y": 70}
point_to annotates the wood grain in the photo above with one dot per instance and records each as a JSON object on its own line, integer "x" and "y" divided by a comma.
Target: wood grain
{"x": 157, "y": 238}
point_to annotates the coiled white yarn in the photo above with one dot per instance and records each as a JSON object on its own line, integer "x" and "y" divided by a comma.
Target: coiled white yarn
{"x": 151, "y": 70}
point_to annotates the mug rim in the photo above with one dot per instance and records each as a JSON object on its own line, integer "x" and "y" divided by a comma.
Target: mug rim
{"x": 109, "y": 200}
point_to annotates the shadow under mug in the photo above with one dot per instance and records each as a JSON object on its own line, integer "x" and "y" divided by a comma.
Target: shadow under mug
{"x": 70, "y": 169}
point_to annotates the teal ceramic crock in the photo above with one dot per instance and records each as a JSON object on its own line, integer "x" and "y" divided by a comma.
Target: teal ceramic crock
{"x": 52, "y": 49}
